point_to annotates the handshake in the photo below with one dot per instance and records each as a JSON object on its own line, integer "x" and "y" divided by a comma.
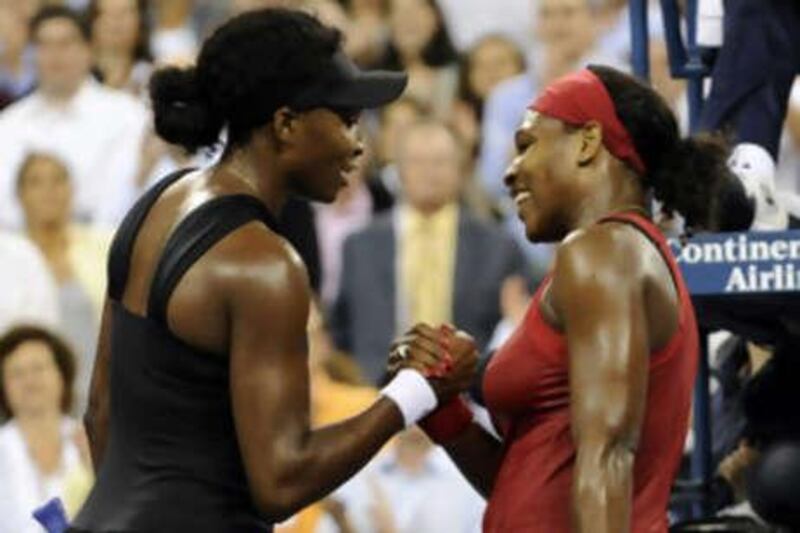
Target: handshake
{"x": 446, "y": 357}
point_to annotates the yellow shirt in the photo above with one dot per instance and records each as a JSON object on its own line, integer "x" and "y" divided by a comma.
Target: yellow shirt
{"x": 427, "y": 257}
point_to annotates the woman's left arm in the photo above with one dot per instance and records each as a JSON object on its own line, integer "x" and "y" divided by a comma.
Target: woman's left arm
{"x": 598, "y": 298}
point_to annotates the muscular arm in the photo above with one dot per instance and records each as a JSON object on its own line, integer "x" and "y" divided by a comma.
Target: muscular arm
{"x": 95, "y": 420}
{"x": 602, "y": 309}
{"x": 288, "y": 465}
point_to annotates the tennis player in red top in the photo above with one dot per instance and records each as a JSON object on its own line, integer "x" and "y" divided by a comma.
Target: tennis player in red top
{"x": 592, "y": 392}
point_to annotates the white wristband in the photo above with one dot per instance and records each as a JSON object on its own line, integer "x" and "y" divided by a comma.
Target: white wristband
{"x": 413, "y": 395}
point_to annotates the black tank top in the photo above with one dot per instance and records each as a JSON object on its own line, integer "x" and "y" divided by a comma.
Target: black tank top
{"x": 172, "y": 462}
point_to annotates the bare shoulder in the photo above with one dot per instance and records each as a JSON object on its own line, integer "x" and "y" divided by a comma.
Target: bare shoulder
{"x": 608, "y": 250}
{"x": 254, "y": 262}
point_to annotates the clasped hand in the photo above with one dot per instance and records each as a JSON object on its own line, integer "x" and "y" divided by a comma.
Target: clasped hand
{"x": 446, "y": 356}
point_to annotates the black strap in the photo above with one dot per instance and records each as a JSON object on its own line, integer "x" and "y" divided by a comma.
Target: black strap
{"x": 640, "y": 227}
{"x": 194, "y": 236}
{"x": 122, "y": 246}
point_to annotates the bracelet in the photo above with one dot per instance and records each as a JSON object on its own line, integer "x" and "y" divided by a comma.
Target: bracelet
{"x": 448, "y": 422}
{"x": 413, "y": 395}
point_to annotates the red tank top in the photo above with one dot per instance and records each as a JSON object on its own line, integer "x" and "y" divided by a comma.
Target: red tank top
{"x": 526, "y": 387}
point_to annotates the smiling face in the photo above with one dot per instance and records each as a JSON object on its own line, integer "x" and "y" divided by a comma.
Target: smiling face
{"x": 544, "y": 178}
{"x": 324, "y": 150}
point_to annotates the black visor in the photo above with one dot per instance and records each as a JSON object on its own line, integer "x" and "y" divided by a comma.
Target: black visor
{"x": 344, "y": 85}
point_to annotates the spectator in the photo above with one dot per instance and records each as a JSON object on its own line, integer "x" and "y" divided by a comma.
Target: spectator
{"x": 567, "y": 37}
{"x": 96, "y": 131}
{"x": 470, "y": 20}
{"x": 394, "y": 119}
{"x": 17, "y": 69}
{"x": 28, "y": 289}
{"x": 412, "y": 488}
{"x": 121, "y": 44}
{"x": 430, "y": 260}
{"x": 76, "y": 254}
{"x": 353, "y": 209}
{"x": 369, "y": 30}
{"x": 492, "y": 60}
{"x": 42, "y": 450}
{"x": 421, "y": 46}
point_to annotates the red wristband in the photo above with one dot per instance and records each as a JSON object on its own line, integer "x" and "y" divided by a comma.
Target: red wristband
{"x": 447, "y": 422}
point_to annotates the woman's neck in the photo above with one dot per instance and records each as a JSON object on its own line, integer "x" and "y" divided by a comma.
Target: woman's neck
{"x": 619, "y": 190}
{"x": 255, "y": 171}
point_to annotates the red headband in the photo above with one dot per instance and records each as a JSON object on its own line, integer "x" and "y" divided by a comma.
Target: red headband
{"x": 580, "y": 97}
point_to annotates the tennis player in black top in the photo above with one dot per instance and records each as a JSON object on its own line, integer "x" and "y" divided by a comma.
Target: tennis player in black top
{"x": 199, "y": 409}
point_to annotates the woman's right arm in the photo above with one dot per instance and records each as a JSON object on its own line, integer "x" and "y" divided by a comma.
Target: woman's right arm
{"x": 288, "y": 464}
{"x": 475, "y": 451}
{"x": 477, "y": 454}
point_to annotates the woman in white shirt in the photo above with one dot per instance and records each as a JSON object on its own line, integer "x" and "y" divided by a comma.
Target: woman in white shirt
{"x": 42, "y": 454}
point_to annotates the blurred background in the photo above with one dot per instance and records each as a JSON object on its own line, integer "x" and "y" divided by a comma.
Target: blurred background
{"x": 77, "y": 147}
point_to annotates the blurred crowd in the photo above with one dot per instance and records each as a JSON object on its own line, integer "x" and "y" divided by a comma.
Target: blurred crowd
{"x": 423, "y": 231}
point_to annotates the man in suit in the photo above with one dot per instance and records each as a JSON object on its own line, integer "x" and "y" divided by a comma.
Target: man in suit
{"x": 428, "y": 260}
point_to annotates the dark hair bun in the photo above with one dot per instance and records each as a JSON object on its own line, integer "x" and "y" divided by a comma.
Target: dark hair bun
{"x": 183, "y": 115}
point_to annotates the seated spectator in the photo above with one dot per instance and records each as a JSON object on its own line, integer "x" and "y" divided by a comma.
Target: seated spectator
{"x": 369, "y": 31}
{"x": 353, "y": 209}
{"x": 421, "y": 46}
{"x": 121, "y": 44}
{"x": 28, "y": 288}
{"x": 470, "y": 20}
{"x": 412, "y": 488}
{"x": 17, "y": 69}
{"x": 429, "y": 260}
{"x": 96, "y": 131}
{"x": 75, "y": 253}
{"x": 393, "y": 119}
{"x": 492, "y": 60}
{"x": 43, "y": 452}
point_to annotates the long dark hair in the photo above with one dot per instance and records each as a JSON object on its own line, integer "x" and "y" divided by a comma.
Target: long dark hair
{"x": 249, "y": 68}
{"x": 687, "y": 175}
